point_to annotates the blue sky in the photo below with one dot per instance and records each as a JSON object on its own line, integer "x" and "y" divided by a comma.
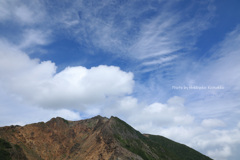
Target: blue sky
{"x": 165, "y": 67}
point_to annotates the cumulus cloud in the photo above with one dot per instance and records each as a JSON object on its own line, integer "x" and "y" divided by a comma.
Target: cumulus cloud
{"x": 216, "y": 143}
{"x": 173, "y": 120}
{"x": 212, "y": 123}
{"x": 14, "y": 111}
{"x": 147, "y": 117}
{"x": 220, "y": 153}
{"x": 39, "y": 83}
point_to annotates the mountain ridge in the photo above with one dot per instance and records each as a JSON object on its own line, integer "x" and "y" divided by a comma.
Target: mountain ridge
{"x": 94, "y": 138}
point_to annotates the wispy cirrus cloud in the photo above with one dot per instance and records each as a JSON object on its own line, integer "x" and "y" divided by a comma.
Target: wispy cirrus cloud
{"x": 32, "y": 38}
{"x": 160, "y": 60}
{"x": 23, "y": 13}
{"x": 25, "y": 24}
{"x": 146, "y": 31}
{"x": 169, "y": 34}
{"x": 221, "y": 68}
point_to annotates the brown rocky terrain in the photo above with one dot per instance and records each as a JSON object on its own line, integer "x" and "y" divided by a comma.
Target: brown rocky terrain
{"x": 97, "y": 138}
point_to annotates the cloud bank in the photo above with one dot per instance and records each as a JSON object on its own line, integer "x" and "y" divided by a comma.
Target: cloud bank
{"x": 173, "y": 120}
{"x": 74, "y": 87}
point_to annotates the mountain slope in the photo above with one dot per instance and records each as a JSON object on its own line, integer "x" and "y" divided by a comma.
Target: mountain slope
{"x": 95, "y": 138}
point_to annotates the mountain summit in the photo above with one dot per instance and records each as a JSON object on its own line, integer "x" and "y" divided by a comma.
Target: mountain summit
{"x": 97, "y": 138}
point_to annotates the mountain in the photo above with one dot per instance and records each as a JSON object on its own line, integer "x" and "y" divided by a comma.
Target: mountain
{"x": 98, "y": 138}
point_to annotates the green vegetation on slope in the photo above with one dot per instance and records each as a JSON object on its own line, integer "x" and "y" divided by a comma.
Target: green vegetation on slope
{"x": 176, "y": 150}
{"x": 9, "y": 151}
{"x": 152, "y": 147}
{"x": 135, "y": 142}
{"x": 4, "y": 146}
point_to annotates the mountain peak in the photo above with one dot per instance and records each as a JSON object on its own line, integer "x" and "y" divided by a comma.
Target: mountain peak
{"x": 94, "y": 138}
{"x": 57, "y": 119}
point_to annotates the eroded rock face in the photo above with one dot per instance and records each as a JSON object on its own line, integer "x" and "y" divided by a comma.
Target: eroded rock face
{"x": 62, "y": 139}
{"x": 95, "y": 138}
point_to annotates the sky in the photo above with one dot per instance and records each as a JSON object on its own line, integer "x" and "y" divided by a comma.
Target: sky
{"x": 167, "y": 68}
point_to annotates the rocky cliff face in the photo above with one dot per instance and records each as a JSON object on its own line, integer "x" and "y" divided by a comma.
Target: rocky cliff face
{"x": 97, "y": 138}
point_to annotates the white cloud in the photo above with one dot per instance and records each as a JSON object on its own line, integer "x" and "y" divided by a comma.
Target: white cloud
{"x": 19, "y": 12}
{"x": 211, "y": 123}
{"x": 220, "y": 154}
{"x": 124, "y": 107}
{"x": 221, "y": 67}
{"x": 157, "y": 114}
{"x": 24, "y": 14}
{"x": 66, "y": 114}
{"x": 219, "y": 109}
{"x": 4, "y": 11}
{"x": 160, "y": 61}
{"x": 227, "y": 55}
{"x": 151, "y": 34}
{"x": 167, "y": 35}
{"x": 16, "y": 112}
{"x": 238, "y": 125}
{"x": 173, "y": 120}
{"x": 29, "y": 24}
{"x": 30, "y": 83}
{"x": 32, "y": 37}
{"x": 172, "y": 113}
{"x": 218, "y": 144}
{"x": 38, "y": 83}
